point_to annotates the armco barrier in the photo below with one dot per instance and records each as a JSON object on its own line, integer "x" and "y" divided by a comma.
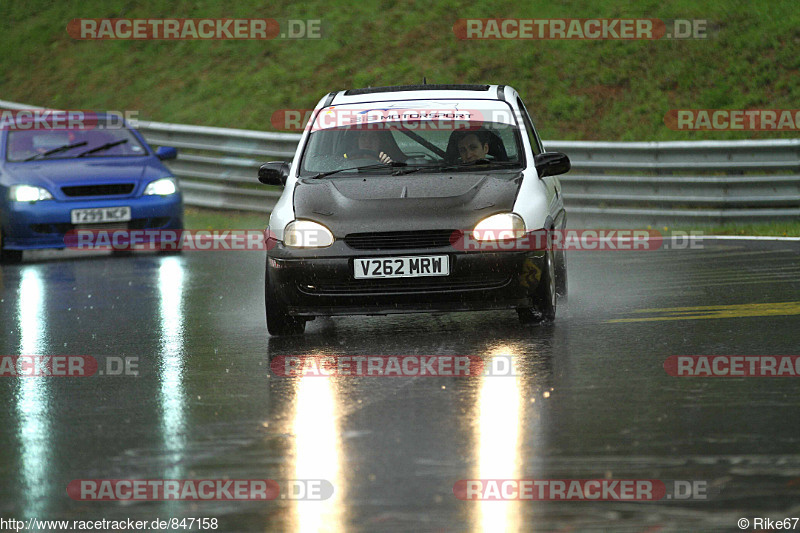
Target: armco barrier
{"x": 622, "y": 184}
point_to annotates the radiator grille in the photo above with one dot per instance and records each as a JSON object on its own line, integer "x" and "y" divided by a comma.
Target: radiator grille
{"x": 396, "y": 240}
{"x": 110, "y": 189}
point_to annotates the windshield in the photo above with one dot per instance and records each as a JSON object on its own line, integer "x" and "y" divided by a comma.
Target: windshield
{"x": 29, "y": 145}
{"x": 382, "y": 147}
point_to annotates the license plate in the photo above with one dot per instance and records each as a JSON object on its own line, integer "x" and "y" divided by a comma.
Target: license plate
{"x": 100, "y": 214}
{"x": 401, "y": 267}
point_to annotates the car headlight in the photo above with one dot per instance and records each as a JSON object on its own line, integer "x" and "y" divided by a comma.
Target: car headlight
{"x": 307, "y": 234}
{"x": 162, "y": 187}
{"x": 499, "y": 227}
{"x": 28, "y": 193}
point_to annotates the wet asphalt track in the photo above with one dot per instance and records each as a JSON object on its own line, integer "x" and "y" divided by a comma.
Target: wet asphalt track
{"x": 592, "y": 399}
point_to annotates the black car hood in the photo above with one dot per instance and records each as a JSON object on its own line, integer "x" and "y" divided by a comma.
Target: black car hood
{"x": 405, "y": 203}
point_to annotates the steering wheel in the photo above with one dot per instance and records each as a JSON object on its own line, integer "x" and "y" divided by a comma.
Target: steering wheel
{"x": 481, "y": 161}
{"x": 362, "y": 154}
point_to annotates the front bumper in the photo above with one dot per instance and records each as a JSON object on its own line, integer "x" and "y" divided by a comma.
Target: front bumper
{"x": 321, "y": 282}
{"x": 44, "y": 224}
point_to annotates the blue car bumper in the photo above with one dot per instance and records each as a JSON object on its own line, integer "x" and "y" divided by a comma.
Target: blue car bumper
{"x": 43, "y": 224}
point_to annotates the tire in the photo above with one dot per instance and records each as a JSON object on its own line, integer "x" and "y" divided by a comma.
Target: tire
{"x": 279, "y": 321}
{"x": 562, "y": 287}
{"x": 172, "y": 251}
{"x": 178, "y": 250}
{"x": 527, "y": 316}
{"x": 544, "y": 298}
{"x": 9, "y": 257}
{"x": 124, "y": 250}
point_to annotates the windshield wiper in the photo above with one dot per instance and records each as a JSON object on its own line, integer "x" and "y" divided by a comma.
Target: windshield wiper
{"x": 102, "y": 147}
{"x": 405, "y": 171}
{"x": 478, "y": 165}
{"x": 460, "y": 166}
{"x": 414, "y": 168}
{"x": 366, "y": 167}
{"x": 57, "y": 150}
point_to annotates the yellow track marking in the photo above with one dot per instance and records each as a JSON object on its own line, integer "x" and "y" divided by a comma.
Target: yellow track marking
{"x": 715, "y": 311}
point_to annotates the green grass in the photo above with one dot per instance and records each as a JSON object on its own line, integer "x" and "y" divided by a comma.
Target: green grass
{"x": 592, "y": 90}
{"x": 576, "y": 90}
{"x": 215, "y": 219}
{"x": 773, "y": 229}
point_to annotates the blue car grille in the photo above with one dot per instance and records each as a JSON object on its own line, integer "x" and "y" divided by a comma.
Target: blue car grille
{"x": 136, "y": 223}
{"x": 110, "y": 189}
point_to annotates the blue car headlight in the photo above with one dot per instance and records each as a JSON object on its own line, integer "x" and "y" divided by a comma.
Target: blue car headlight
{"x": 161, "y": 187}
{"x": 28, "y": 193}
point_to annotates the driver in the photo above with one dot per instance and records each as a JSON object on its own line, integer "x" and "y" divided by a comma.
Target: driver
{"x": 375, "y": 145}
{"x": 20, "y": 146}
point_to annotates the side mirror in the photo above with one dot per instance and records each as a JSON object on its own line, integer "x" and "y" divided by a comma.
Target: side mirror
{"x": 274, "y": 173}
{"x": 166, "y": 152}
{"x": 551, "y": 164}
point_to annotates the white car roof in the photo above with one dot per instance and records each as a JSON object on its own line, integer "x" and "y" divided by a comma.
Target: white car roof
{"x": 439, "y": 112}
{"x": 417, "y": 92}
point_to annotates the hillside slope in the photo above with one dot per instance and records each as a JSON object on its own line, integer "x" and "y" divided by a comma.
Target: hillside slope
{"x": 591, "y": 90}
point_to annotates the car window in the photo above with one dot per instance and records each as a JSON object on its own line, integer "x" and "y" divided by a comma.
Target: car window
{"x": 535, "y": 144}
{"x": 432, "y": 143}
{"x": 24, "y": 144}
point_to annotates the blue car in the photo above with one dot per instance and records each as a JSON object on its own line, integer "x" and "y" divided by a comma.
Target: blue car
{"x": 57, "y": 180}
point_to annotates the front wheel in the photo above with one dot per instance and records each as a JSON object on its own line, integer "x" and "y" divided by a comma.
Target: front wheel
{"x": 544, "y": 298}
{"x": 279, "y": 321}
{"x": 177, "y": 250}
{"x": 562, "y": 287}
{"x": 9, "y": 257}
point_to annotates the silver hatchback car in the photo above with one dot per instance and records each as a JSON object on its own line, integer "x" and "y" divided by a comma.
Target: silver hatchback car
{"x": 415, "y": 199}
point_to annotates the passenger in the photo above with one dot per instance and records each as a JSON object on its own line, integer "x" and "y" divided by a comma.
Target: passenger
{"x": 473, "y": 146}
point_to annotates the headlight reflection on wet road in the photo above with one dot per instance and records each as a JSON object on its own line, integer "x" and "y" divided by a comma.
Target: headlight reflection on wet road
{"x": 32, "y": 396}
{"x": 318, "y": 452}
{"x": 172, "y": 396}
{"x": 499, "y": 410}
